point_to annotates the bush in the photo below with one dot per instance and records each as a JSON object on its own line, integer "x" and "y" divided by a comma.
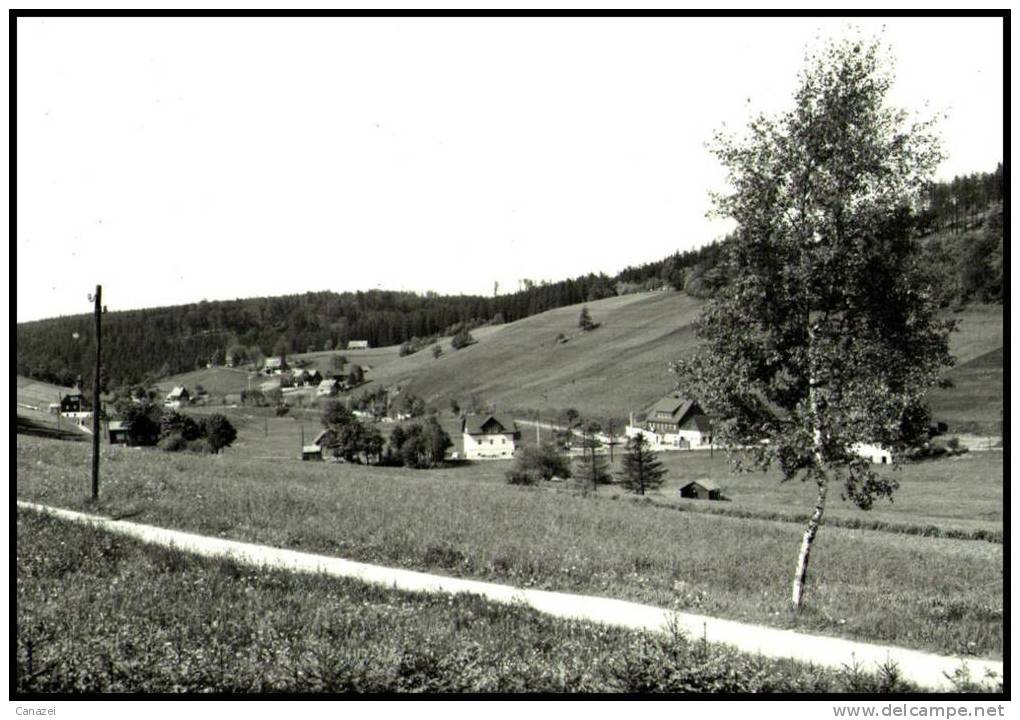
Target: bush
{"x": 461, "y": 340}
{"x": 200, "y": 445}
{"x": 172, "y": 443}
{"x": 538, "y": 463}
{"x": 282, "y": 410}
{"x": 519, "y": 477}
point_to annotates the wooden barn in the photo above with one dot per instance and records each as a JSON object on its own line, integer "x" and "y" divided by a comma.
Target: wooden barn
{"x": 117, "y": 432}
{"x": 703, "y": 489}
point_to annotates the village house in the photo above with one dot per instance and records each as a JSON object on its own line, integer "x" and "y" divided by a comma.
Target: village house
{"x": 329, "y": 387}
{"x": 274, "y": 366}
{"x": 873, "y": 453}
{"x": 680, "y": 422}
{"x": 489, "y": 437}
{"x": 357, "y": 344}
{"x": 177, "y": 397}
{"x": 74, "y": 402}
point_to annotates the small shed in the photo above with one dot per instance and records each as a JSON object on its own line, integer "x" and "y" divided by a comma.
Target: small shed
{"x": 311, "y": 452}
{"x": 117, "y": 431}
{"x": 703, "y": 489}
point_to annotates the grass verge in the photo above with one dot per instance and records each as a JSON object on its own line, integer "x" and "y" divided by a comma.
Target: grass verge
{"x": 135, "y": 618}
{"x": 934, "y": 594}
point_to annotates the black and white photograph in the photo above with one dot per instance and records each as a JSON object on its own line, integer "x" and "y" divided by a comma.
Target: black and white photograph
{"x": 505, "y": 356}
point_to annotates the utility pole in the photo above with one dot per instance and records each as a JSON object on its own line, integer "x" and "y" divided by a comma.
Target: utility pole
{"x": 95, "y": 393}
{"x": 612, "y": 440}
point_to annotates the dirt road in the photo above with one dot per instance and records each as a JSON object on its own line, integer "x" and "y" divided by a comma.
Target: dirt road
{"x": 925, "y": 669}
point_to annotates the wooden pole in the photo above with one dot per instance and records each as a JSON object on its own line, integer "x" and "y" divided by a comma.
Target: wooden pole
{"x": 95, "y": 394}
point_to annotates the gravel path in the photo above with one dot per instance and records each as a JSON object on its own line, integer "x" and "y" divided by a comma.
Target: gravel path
{"x": 925, "y": 669}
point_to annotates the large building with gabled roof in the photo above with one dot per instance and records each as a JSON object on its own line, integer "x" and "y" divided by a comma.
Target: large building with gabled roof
{"x": 489, "y": 437}
{"x": 679, "y": 421}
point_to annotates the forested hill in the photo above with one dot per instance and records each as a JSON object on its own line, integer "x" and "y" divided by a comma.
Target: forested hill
{"x": 962, "y": 219}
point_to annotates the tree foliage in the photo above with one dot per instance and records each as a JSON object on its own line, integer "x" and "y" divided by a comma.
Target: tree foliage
{"x": 828, "y": 333}
{"x": 534, "y": 463}
{"x": 641, "y": 470}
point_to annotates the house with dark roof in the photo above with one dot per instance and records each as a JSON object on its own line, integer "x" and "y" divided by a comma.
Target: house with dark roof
{"x": 489, "y": 437}
{"x": 679, "y": 421}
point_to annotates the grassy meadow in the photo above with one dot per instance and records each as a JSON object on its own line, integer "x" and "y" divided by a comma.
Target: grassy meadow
{"x": 930, "y": 593}
{"x": 135, "y": 618}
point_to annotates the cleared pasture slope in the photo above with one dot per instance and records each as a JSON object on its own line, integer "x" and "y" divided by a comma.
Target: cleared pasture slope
{"x": 623, "y": 365}
{"x": 925, "y": 593}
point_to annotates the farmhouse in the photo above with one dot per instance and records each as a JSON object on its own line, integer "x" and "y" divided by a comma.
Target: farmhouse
{"x": 874, "y": 453}
{"x": 74, "y": 402}
{"x": 178, "y": 395}
{"x": 703, "y": 489}
{"x": 679, "y": 421}
{"x": 357, "y": 344}
{"x": 489, "y": 437}
{"x": 117, "y": 432}
{"x": 328, "y": 387}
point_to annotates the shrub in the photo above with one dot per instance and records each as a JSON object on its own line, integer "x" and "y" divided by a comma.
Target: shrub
{"x": 172, "y": 443}
{"x": 461, "y": 340}
{"x": 201, "y": 445}
{"x": 520, "y": 477}
{"x": 538, "y": 463}
{"x": 218, "y": 432}
{"x": 282, "y": 410}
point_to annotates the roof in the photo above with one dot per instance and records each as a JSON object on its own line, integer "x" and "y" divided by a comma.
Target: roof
{"x": 177, "y": 392}
{"x": 311, "y": 449}
{"x": 703, "y": 482}
{"x": 703, "y": 423}
{"x": 677, "y": 406}
{"x": 117, "y": 425}
{"x": 483, "y": 424}
{"x": 274, "y": 362}
{"x": 318, "y": 438}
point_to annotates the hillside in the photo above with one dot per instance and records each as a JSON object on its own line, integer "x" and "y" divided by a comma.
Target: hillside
{"x": 623, "y": 366}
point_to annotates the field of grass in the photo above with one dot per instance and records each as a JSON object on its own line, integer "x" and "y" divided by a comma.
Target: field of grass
{"x": 938, "y": 594}
{"x": 218, "y": 381}
{"x": 975, "y": 402}
{"x": 135, "y": 618}
{"x": 623, "y": 366}
{"x": 37, "y": 393}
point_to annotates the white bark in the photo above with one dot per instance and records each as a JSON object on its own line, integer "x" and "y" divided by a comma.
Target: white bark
{"x": 800, "y": 575}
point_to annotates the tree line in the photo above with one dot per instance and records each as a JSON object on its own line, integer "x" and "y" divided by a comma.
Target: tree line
{"x": 962, "y": 216}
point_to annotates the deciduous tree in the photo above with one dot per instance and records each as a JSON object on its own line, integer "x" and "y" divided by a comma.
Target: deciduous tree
{"x": 826, "y": 334}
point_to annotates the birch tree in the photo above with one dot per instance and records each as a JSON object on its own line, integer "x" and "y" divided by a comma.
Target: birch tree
{"x": 826, "y": 333}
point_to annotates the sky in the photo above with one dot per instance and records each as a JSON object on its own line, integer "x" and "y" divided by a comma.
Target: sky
{"x": 176, "y": 160}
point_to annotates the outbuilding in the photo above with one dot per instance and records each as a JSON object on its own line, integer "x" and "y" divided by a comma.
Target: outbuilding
{"x": 703, "y": 489}
{"x": 118, "y": 432}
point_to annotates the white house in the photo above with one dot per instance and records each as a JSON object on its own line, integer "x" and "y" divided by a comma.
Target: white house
{"x": 489, "y": 437}
{"x": 357, "y": 344}
{"x": 874, "y": 453}
{"x": 274, "y": 365}
{"x": 677, "y": 421}
{"x": 328, "y": 387}
{"x": 177, "y": 396}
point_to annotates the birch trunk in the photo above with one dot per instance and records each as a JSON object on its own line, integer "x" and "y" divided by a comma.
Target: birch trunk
{"x": 821, "y": 480}
{"x": 800, "y": 576}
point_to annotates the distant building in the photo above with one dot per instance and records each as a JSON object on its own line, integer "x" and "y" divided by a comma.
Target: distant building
{"x": 679, "y": 421}
{"x": 489, "y": 437}
{"x": 178, "y": 396}
{"x": 357, "y": 344}
{"x": 274, "y": 365}
{"x": 312, "y": 376}
{"x": 74, "y": 403}
{"x": 299, "y": 377}
{"x": 118, "y": 432}
{"x": 328, "y": 387}
{"x": 874, "y": 453}
{"x": 703, "y": 489}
